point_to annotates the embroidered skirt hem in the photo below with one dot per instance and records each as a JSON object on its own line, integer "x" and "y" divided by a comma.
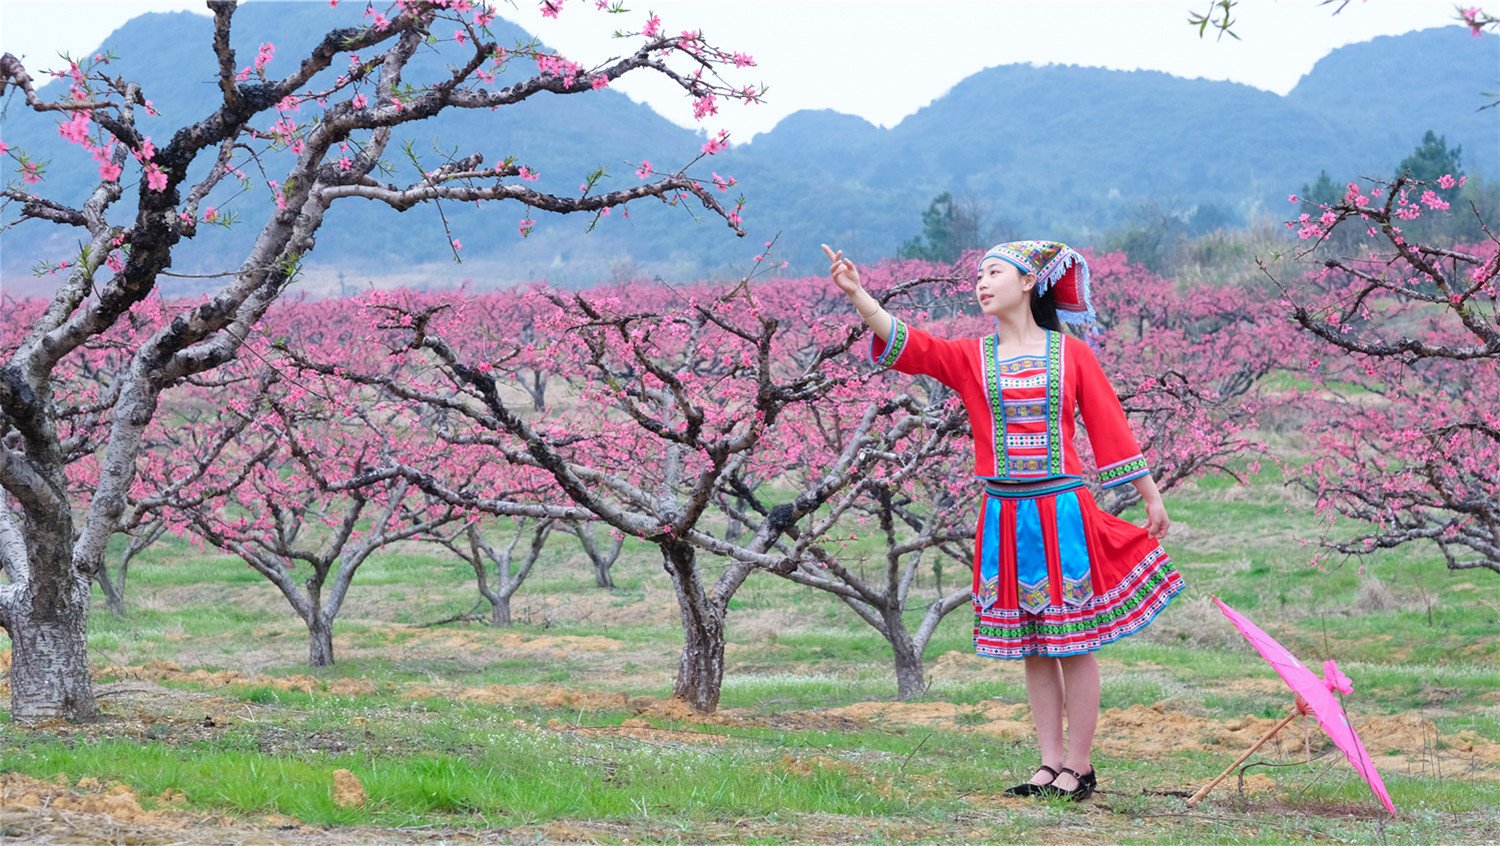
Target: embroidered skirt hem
{"x": 1055, "y": 576}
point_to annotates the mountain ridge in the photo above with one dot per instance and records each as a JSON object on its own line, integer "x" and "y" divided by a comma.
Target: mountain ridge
{"x": 1106, "y": 142}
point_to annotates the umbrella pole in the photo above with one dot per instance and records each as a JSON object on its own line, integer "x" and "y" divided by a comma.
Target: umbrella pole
{"x": 1203, "y": 791}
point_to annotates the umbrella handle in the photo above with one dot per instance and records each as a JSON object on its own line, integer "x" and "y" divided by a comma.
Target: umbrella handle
{"x": 1203, "y": 791}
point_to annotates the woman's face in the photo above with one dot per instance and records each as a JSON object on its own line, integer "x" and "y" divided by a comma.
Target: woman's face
{"x": 1002, "y": 287}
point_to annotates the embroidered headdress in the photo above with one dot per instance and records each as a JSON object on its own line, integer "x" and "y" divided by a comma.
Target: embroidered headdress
{"x": 1058, "y": 268}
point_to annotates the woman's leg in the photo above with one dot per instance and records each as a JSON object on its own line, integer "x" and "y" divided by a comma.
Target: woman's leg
{"x": 1044, "y": 691}
{"x": 1080, "y": 675}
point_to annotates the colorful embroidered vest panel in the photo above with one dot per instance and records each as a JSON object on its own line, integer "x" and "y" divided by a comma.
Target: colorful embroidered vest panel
{"x": 1025, "y": 396}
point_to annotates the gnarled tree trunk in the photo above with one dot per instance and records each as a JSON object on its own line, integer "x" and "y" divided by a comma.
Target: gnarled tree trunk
{"x": 49, "y": 670}
{"x": 45, "y": 611}
{"x": 319, "y": 641}
{"x": 910, "y": 677}
{"x": 700, "y": 669}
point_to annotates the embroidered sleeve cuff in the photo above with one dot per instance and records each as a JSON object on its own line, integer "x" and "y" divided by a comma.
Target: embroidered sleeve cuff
{"x": 885, "y": 353}
{"x": 1123, "y": 471}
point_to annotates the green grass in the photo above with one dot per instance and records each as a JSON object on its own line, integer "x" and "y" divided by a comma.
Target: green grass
{"x": 1421, "y": 643}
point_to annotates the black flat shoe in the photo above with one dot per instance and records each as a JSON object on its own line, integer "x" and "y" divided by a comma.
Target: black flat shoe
{"x": 1027, "y": 788}
{"x": 1085, "y": 788}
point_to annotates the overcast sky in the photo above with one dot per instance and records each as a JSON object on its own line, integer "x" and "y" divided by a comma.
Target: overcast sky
{"x": 879, "y": 60}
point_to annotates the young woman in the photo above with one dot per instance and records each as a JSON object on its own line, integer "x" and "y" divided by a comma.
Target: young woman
{"x": 1055, "y": 578}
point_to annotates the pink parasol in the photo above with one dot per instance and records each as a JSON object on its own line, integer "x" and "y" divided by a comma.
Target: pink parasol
{"x": 1313, "y": 693}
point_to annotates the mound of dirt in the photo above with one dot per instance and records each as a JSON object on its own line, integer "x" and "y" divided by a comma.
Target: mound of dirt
{"x": 812, "y": 721}
{"x": 1150, "y": 731}
{"x": 348, "y": 792}
{"x": 21, "y": 792}
{"x": 1414, "y": 742}
{"x": 544, "y": 695}
{"x": 672, "y": 709}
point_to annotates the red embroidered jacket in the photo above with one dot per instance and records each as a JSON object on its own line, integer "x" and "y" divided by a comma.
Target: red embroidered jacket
{"x": 1022, "y": 409}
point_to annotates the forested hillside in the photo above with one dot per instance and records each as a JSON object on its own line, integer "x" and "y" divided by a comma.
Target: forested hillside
{"x": 1104, "y": 143}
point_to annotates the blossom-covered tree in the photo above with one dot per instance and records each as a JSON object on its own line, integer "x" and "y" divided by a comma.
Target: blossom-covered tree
{"x": 91, "y": 392}
{"x": 1410, "y": 450}
{"x": 291, "y": 492}
{"x": 674, "y": 392}
{"x": 1187, "y": 365}
{"x": 918, "y": 494}
{"x": 333, "y": 123}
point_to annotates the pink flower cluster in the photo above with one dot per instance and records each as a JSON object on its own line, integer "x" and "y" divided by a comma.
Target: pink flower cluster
{"x": 1473, "y": 18}
{"x": 156, "y": 178}
{"x": 1433, "y": 201}
{"x": 717, "y": 144}
{"x": 1305, "y": 227}
{"x": 705, "y": 106}
{"x": 263, "y": 57}
{"x": 560, "y": 67}
{"x": 76, "y": 130}
{"x": 379, "y": 21}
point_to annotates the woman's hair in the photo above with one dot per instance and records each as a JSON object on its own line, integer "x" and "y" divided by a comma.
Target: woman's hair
{"x": 1044, "y": 310}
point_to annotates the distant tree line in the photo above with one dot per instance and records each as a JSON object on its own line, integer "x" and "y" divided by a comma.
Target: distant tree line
{"x": 1160, "y": 234}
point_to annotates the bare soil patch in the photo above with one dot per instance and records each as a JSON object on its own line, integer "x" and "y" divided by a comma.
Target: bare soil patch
{"x": 1404, "y": 743}
{"x": 1255, "y": 686}
{"x": 93, "y": 797}
{"x": 638, "y": 729}
{"x": 468, "y": 639}
{"x": 993, "y": 718}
